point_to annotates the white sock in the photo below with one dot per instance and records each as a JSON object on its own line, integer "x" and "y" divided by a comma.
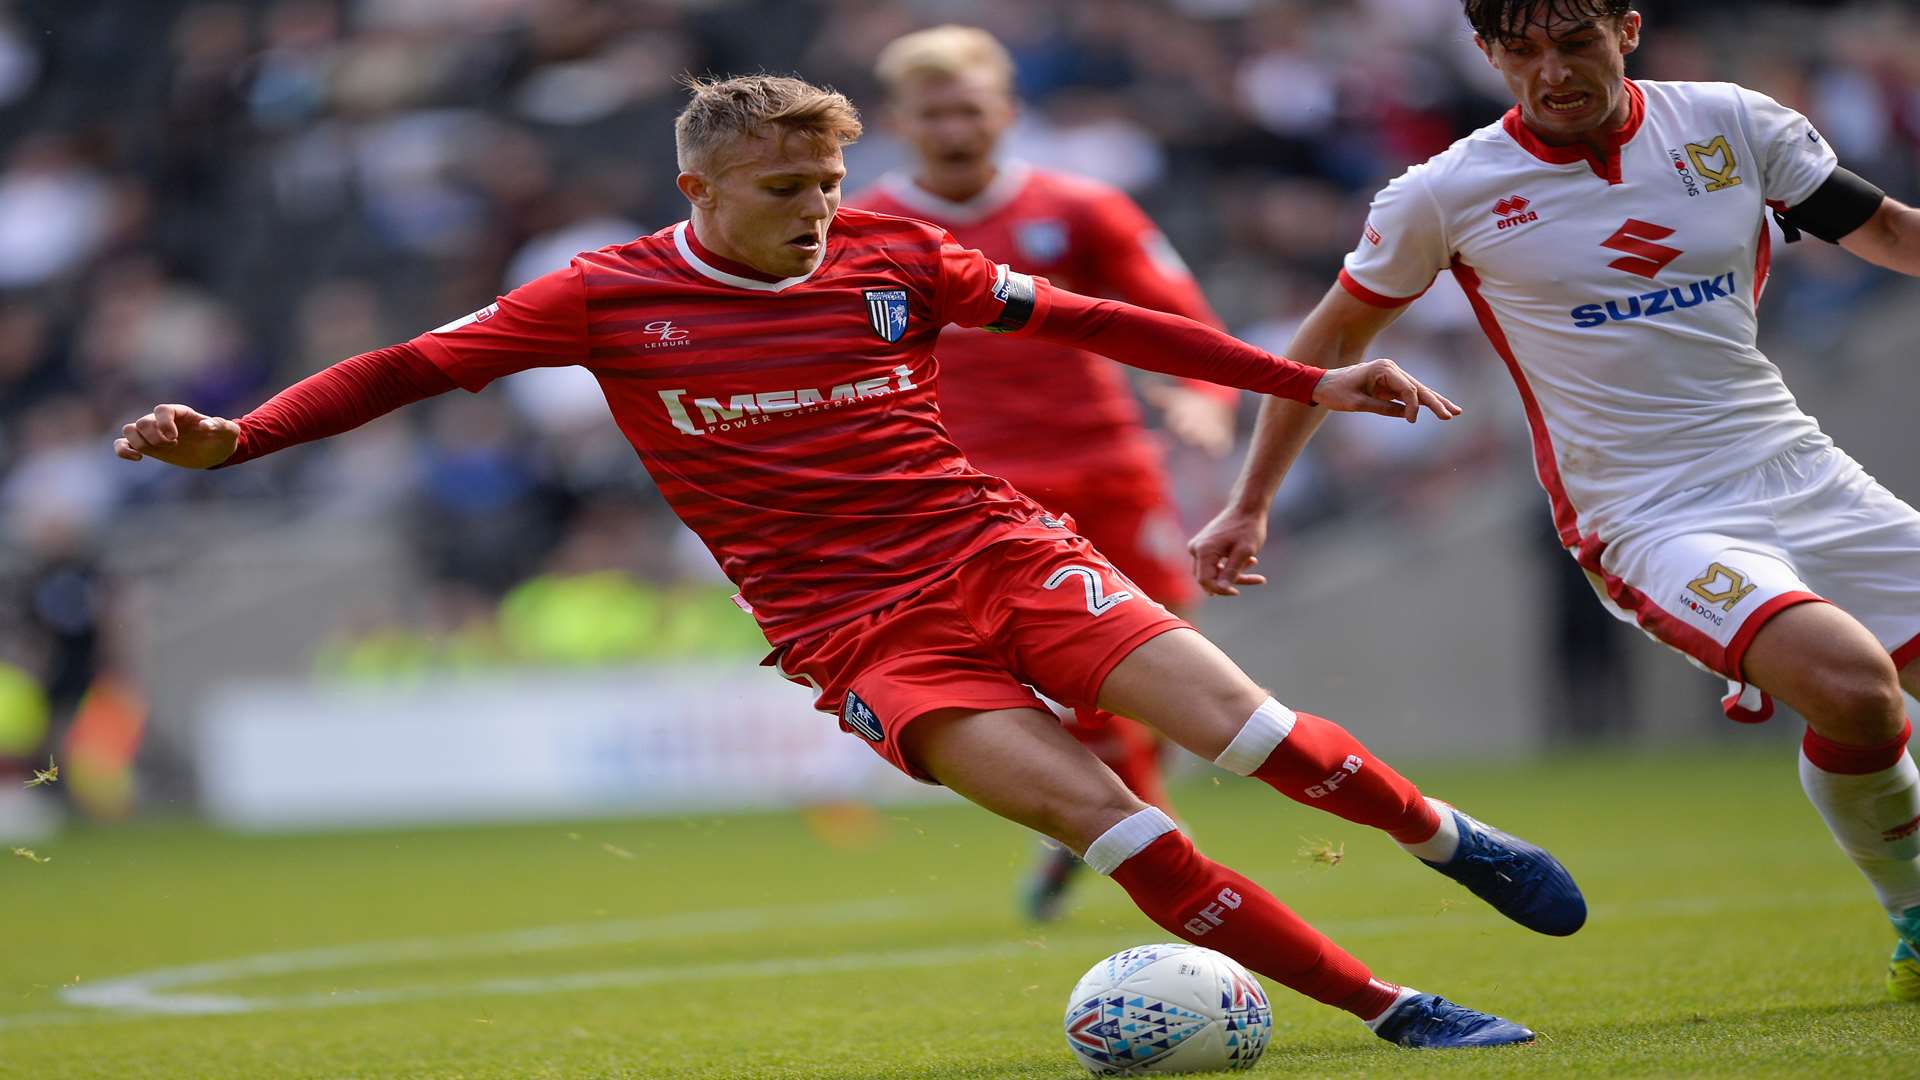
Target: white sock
{"x": 1399, "y": 999}
{"x": 1875, "y": 817}
{"x": 1442, "y": 844}
{"x": 1267, "y": 728}
{"x": 1124, "y": 841}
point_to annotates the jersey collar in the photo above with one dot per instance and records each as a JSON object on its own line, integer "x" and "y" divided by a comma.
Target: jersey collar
{"x": 728, "y": 272}
{"x": 1007, "y": 183}
{"x": 1606, "y": 166}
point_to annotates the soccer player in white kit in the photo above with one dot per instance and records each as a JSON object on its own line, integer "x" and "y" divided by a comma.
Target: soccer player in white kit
{"x": 1612, "y": 238}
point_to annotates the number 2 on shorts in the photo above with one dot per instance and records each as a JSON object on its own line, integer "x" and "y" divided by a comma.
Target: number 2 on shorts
{"x": 1099, "y": 601}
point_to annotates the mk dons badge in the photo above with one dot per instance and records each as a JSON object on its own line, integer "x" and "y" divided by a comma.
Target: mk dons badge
{"x": 887, "y": 312}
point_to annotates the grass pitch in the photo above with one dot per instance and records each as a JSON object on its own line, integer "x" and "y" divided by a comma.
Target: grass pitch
{"x": 1728, "y": 937}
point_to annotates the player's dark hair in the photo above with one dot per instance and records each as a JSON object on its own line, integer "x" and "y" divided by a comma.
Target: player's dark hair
{"x": 1502, "y": 22}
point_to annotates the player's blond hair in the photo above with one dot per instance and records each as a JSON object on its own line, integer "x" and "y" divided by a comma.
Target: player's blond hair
{"x": 725, "y": 111}
{"x": 942, "y": 51}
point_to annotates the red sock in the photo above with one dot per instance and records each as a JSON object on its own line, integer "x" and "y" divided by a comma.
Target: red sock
{"x": 1128, "y": 747}
{"x": 1207, "y": 904}
{"x": 1320, "y": 764}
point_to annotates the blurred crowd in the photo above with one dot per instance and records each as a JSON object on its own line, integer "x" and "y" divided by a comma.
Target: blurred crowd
{"x": 204, "y": 200}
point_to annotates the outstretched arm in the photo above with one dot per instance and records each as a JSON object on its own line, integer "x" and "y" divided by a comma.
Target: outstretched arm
{"x": 539, "y": 324}
{"x": 1335, "y": 336}
{"x": 974, "y": 291}
{"x": 1156, "y": 341}
{"x": 1890, "y": 238}
{"x": 337, "y": 399}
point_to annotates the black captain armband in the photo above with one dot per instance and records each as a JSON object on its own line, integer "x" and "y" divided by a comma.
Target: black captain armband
{"x": 1839, "y": 206}
{"x": 1015, "y": 293}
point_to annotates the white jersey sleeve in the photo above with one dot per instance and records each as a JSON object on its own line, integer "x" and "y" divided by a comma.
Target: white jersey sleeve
{"x": 1794, "y": 158}
{"x": 1403, "y": 245}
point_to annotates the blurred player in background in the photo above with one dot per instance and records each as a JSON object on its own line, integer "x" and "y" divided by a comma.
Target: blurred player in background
{"x": 1060, "y": 423}
{"x": 771, "y": 361}
{"x": 1612, "y": 237}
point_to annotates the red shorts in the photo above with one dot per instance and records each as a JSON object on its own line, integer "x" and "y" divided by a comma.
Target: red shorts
{"x": 1019, "y": 615}
{"x": 1135, "y": 526}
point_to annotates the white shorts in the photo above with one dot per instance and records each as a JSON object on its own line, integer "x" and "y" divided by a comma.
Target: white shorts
{"x": 1704, "y": 569}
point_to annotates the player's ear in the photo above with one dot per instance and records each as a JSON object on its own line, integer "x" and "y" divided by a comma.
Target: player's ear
{"x": 1013, "y": 107}
{"x": 1481, "y": 43}
{"x": 697, "y": 188}
{"x": 1629, "y": 32}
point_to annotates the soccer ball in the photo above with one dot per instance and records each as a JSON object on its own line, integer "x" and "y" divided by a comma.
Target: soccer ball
{"x": 1167, "y": 1009}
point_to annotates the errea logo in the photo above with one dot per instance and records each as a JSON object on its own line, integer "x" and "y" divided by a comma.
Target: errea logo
{"x": 1512, "y": 211}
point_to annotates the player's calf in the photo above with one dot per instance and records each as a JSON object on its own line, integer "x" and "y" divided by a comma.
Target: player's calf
{"x": 1869, "y": 797}
{"x": 1207, "y": 904}
{"x": 1319, "y": 763}
{"x": 1315, "y": 761}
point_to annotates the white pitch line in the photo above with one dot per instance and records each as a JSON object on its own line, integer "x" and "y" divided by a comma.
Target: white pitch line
{"x": 140, "y": 991}
{"x": 569, "y": 983}
{"x": 622, "y": 978}
{"x": 144, "y": 994}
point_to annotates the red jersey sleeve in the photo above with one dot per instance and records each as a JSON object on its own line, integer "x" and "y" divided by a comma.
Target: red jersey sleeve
{"x": 540, "y": 324}
{"x": 976, "y": 291}
{"x": 1172, "y": 345}
{"x": 339, "y": 398}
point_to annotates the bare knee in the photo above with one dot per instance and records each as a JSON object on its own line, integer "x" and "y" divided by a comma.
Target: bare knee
{"x": 1078, "y": 825}
{"x": 1857, "y": 701}
{"x": 1182, "y": 685}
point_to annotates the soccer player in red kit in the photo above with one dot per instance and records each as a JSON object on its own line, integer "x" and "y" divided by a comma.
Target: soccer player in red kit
{"x": 1059, "y": 423}
{"x": 770, "y": 360}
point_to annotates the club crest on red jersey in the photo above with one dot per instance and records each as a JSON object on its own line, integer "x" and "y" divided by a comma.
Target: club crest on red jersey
{"x": 887, "y": 312}
{"x": 1041, "y": 241}
{"x": 856, "y": 715}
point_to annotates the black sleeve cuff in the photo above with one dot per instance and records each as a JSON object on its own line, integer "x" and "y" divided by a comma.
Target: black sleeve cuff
{"x": 1016, "y": 295}
{"x": 1839, "y": 206}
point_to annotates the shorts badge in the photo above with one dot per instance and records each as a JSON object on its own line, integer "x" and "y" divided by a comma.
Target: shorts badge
{"x": 855, "y": 714}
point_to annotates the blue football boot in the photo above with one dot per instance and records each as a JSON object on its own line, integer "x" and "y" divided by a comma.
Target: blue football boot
{"x": 1521, "y": 881}
{"x": 1431, "y": 1022}
{"x": 1903, "y": 971}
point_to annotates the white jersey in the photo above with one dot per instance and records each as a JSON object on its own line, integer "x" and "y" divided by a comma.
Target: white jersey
{"x": 1620, "y": 289}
